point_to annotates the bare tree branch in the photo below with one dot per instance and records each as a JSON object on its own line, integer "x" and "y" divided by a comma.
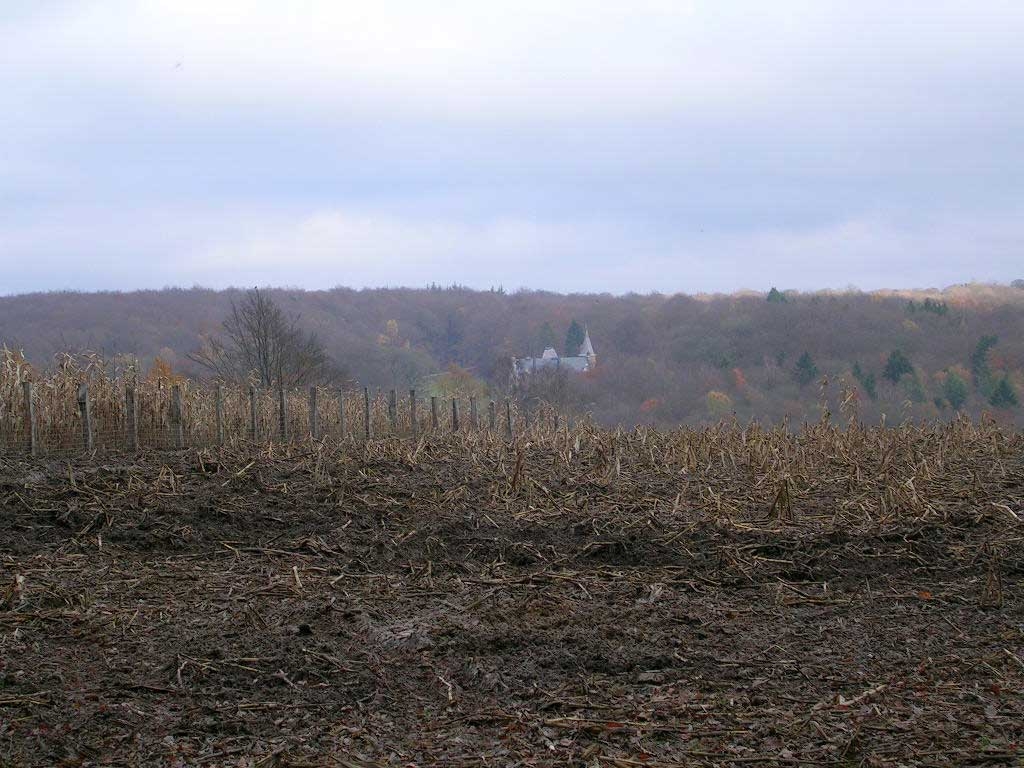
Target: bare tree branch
{"x": 261, "y": 342}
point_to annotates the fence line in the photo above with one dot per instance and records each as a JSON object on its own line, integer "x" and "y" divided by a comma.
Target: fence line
{"x": 114, "y": 415}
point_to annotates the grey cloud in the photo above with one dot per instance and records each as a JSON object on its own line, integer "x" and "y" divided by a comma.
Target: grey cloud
{"x": 704, "y": 149}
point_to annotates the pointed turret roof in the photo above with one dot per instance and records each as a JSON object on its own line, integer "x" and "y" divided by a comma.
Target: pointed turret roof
{"x": 586, "y": 348}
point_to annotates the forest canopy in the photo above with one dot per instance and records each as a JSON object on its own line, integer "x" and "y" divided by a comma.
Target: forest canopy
{"x": 661, "y": 359}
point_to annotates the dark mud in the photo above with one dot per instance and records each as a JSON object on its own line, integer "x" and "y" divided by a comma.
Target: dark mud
{"x": 379, "y": 608}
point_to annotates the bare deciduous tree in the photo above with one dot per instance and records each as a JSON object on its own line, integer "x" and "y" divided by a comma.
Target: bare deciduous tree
{"x": 260, "y": 340}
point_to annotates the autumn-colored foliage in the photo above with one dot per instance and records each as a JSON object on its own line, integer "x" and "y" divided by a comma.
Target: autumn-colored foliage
{"x": 161, "y": 371}
{"x": 458, "y": 382}
{"x": 672, "y": 348}
{"x": 718, "y": 403}
{"x": 739, "y": 381}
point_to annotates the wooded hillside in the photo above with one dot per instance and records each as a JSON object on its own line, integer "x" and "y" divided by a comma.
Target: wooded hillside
{"x": 662, "y": 359}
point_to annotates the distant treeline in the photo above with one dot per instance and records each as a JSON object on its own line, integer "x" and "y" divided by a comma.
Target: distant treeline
{"x": 661, "y": 358}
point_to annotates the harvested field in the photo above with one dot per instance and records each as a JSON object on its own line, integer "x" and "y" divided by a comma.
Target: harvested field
{"x": 727, "y": 596}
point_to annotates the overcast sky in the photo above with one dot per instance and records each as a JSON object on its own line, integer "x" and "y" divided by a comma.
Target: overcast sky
{"x": 573, "y": 146}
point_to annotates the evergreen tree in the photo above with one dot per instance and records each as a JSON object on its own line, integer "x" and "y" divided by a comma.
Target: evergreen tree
{"x": 897, "y": 365}
{"x": 574, "y": 339}
{"x": 979, "y": 364}
{"x": 806, "y": 371}
{"x": 955, "y": 390}
{"x": 775, "y": 296}
{"x": 1003, "y": 394}
{"x": 866, "y": 380}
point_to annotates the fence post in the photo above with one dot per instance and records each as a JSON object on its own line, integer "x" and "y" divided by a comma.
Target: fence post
{"x": 393, "y": 410}
{"x": 412, "y": 414}
{"x": 86, "y": 413}
{"x": 433, "y": 414}
{"x": 341, "y": 413}
{"x": 177, "y": 434}
{"x": 366, "y": 412}
{"x": 252, "y": 412}
{"x": 314, "y": 416}
{"x": 131, "y": 410}
{"x": 30, "y": 416}
{"x": 455, "y": 415}
{"x": 472, "y": 412}
{"x": 282, "y": 414}
{"x": 508, "y": 417}
{"x": 492, "y": 416}
{"x": 218, "y": 408}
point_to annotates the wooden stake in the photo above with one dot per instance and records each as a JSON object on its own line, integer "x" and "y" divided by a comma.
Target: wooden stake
{"x": 492, "y": 416}
{"x": 30, "y": 417}
{"x": 434, "y": 419}
{"x": 508, "y": 418}
{"x": 218, "y": 408}
{"x": 131, "y": 415}
{"x": 177, "y": 431}
{"x": 282, "y": 414}
{"x": 252, "y": 413}
{"x": 86, "y": 414}
{"x": 455, "y": 415}
{"x": 366, "y": 412}
{"x": 473, "y": 423}
{"x": 314, "y": 416}
{"x": 393, "y": 410}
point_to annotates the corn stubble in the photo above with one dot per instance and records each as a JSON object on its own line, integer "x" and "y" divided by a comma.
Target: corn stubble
{"x": 574, "y": 595}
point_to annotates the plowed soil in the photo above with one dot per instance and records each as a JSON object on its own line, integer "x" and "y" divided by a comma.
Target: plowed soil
{"x": 480, "y": 605}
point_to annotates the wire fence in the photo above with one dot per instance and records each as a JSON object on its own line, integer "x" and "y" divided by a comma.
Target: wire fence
{"x": 51, "y": 418}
